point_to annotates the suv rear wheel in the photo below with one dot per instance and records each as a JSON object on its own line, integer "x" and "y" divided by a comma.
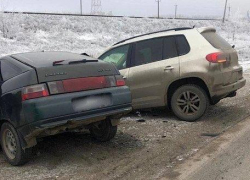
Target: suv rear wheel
{"x": 103, "y": 131}
{"x": 189, "y": 102}
{"x": 11, "y": 146}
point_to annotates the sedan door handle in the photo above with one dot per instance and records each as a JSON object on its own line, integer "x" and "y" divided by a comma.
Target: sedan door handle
{"x": 168, "y": 68}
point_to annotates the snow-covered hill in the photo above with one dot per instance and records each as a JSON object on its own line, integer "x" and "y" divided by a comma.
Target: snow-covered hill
{"x": 22, "y": 33}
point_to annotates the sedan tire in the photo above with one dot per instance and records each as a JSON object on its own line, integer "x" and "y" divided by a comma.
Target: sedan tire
{"x": 11, "y": 146}
{"x": 103, "y": 131}
{"x": 189, "y": 102}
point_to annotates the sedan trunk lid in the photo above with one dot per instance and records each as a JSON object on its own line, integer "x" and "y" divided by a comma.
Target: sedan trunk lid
{"x": 56, "y": 66}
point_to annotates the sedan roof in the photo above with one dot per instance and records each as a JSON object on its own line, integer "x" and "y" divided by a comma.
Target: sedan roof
{"x": 46, "y": 59}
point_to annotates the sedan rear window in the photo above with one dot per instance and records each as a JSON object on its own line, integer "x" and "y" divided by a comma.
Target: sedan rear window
{"x": 9, "y": 70}
{"x": 216, "y": 41}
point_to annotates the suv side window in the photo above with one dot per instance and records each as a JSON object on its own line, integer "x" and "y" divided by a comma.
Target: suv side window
{"x": 182, "y": 45}
{"x": 9, "y": 70}
{"x": 148, "y": 51}
{"x": 170, "y": 50}
{"x": 117, "y": 56}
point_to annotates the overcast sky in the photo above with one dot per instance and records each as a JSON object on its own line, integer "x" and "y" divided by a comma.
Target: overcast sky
{"x": 130, "y": 7}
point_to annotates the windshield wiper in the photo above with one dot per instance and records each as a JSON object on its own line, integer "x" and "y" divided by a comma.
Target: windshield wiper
{"x": 62, "y": 62}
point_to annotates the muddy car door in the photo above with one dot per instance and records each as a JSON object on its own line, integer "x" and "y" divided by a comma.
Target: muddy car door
{"x": 169, "y": 66}
{"x": 144, "y": 77}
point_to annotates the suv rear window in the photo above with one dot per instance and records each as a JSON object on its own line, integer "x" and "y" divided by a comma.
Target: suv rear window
{"x": 148, "y": 51}
{"x": 182, "y": 45}
{"x": 216, "y": 41}
{"x": 170, "y": 50}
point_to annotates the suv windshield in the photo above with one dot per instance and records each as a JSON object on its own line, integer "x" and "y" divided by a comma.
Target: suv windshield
{"x": 216, "y": 41}
{"x": 117, "y": 56}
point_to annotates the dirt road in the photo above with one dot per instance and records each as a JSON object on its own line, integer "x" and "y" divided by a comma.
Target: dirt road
{"x": 141, "y": 150}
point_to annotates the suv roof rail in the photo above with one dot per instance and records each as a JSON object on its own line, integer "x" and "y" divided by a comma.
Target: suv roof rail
{"x": 174, "y": 29}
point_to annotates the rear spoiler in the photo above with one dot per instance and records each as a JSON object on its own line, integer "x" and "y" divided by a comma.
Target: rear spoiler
{"x": 206, "y": 29}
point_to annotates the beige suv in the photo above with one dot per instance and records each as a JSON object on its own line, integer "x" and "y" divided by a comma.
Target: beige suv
{"x": 185, "y": 69}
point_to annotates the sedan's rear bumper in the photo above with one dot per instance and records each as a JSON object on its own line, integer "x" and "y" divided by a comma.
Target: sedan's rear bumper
{"x": 55, "y": 114}
{"x": 56, "y": 125}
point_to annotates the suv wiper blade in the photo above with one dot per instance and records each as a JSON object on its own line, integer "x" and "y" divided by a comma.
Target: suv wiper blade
{"x": 82, "y": 61}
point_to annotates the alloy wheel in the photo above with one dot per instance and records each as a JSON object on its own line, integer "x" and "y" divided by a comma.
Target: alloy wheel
{"x": 189, "y": 102}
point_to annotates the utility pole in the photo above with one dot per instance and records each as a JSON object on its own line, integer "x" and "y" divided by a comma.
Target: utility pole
{"x": 225, "y": 11}
{"x": 176, "y": 7}
{"x": 229, "y": 11}
{"x": 158, "y": 1}
{"x": 81, "y": 6}
{"x": 248, "y": 15}
{"x": 96, "y": 6}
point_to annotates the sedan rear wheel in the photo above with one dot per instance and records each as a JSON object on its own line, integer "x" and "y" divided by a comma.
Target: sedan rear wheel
{"x": 11, "y": 146}
{"x": 189, "y": 102}
{"x": 103, "y": 131}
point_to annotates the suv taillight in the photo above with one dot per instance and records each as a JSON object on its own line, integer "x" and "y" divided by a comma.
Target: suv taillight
{"x": 217, "y": 57}
{"x": 36, "y": 91}
{"x": 84, "y": 84}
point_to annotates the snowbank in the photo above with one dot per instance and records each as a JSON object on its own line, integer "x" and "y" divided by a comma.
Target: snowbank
{"x": 22, "y": 33}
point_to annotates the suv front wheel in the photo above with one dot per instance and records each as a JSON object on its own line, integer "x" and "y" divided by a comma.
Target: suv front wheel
{"x": 189, "y": 102}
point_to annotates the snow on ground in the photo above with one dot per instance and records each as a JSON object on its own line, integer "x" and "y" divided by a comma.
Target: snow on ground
{"x": 22, "y": 33}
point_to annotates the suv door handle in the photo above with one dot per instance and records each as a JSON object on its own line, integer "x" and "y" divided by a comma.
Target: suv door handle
{"x": 168, "y": 68}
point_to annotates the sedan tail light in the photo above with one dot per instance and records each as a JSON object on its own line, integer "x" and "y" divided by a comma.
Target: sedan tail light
{"x": 217, "y": 57}
{"x": 120, "y": 81}
{"x": 36, "y": 91}
{"x": 84, "y": 84}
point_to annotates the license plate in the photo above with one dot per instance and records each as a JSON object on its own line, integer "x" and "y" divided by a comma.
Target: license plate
{"x": 92, "y": 102}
